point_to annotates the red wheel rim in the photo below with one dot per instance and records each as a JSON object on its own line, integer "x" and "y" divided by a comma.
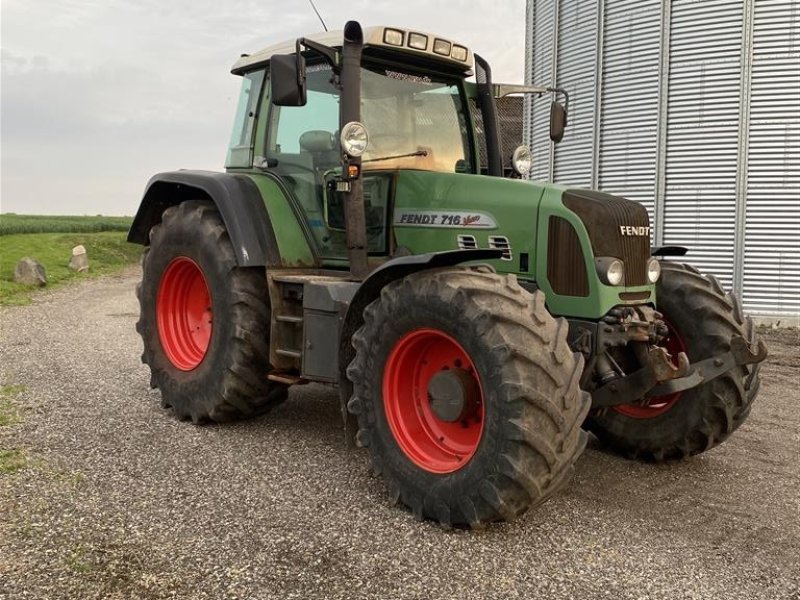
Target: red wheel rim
{"x": 183, "y": 313}
{"x": 658, "y": 405}
{"x": 433, "y": 444}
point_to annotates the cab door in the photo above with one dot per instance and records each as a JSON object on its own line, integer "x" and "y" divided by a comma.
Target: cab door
{"x": 303, "y": 149}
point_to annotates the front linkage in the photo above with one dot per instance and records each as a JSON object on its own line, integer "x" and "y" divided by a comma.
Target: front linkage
{"x": 659, "y": 374}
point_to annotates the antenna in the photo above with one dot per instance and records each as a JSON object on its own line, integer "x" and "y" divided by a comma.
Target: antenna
{"x": 311, "y": 2}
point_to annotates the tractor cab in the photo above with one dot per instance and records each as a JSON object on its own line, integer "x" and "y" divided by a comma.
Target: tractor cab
{"x": 413, "y": 114}
{"x": 411, "y": 108}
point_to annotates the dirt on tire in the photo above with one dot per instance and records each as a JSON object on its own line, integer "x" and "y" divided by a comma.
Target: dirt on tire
{"x": 533, "y": 410}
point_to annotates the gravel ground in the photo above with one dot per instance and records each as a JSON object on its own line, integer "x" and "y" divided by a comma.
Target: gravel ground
{"x": 119, "y": 500}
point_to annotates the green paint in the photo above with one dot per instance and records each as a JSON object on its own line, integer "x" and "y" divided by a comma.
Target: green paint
{"x": 512, "y": 204}
{"x": 290, "y": 236}
{"x": 602, "y": 297}
{"x": 521, "y": 210}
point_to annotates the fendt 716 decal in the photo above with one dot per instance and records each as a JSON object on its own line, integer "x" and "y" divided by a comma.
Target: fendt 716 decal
{"x": 410, "y": 217}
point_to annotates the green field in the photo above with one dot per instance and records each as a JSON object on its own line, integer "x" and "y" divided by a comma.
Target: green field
{"x": 11, "y": 223}
{"x": 51, "y": 240}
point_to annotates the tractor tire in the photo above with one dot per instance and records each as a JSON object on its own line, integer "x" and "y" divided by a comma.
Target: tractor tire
{"x": 702, "y": 319}
{"x": 204, "y": 321}
{"x": 513, "y": 432}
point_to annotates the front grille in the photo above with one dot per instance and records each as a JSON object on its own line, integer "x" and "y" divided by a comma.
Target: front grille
{"x": 604, "y": 215}
{"x": 566, "y": 268}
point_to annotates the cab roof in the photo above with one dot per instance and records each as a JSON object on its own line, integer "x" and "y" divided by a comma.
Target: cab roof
{"x": 447, "y": 51}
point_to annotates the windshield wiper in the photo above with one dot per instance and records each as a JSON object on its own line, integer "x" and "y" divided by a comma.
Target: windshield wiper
{"x": 417, "y": 153}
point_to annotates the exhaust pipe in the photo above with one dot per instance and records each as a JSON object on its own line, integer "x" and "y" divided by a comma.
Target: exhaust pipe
{"x": 350, "y": 110}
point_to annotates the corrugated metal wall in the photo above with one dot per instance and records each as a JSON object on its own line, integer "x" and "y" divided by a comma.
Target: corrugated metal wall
{"x": 691, "y": 107}
{"x": 771, "y": 277}
{"x": 702, "y": 141}
{"x": 629, "y": 100}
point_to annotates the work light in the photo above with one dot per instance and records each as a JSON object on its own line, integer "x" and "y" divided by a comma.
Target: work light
{"x": 459, "y": 53}
{"x": 393, "y": 37}
{"x": 441, "y": 47}
{"x": 522, "y": 160}
{"x": 417, "y": 41}
{"x": 354, "y": 138}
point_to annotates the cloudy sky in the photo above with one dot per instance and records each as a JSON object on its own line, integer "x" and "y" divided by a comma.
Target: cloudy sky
{"x": 98, "y": 95}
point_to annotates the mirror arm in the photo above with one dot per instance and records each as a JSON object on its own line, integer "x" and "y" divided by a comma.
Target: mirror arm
{"x": 327, "y": 52}
{"x": 557, "y": 90}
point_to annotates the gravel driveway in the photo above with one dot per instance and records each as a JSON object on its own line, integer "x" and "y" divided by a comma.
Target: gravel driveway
{"x": 119, "y": 500}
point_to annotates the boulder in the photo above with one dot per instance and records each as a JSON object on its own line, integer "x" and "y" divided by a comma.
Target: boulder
{"x": 79, "y": 261}
{"x": 30, "y": 272}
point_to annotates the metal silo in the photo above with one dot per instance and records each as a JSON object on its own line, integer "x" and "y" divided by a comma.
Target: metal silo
{"x": 691, "y": 107}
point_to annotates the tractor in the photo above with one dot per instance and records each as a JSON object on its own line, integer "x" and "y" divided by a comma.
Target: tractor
{"x": 478, "y": 326}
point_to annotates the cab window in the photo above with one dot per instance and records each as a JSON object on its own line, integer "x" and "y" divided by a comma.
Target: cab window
{"x": 303, "y": 147}
{"x": 240, "y": 149}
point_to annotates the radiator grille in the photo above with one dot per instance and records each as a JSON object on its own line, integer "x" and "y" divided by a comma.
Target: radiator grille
{"x": 603, "y": 215}
{"x": 566, "y": 269}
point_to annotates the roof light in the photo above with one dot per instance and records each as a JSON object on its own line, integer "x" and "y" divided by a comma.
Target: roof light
{"x": 417, "y": 41}
{"x": 441, "y": 47}
{"x": 393, "y": 37}
{"x": 459, "y": 53}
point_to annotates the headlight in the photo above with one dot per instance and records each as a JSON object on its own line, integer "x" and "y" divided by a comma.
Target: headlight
{"x": 611, "y": 270}
{"x": 522, "y": 160}
{"x": 653, "y": 269}
{"x": 354, "y": 138}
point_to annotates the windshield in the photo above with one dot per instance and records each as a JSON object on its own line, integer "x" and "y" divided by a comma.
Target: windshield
{"x": 414, "y": 122}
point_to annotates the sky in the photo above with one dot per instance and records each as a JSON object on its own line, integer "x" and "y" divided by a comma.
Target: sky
{"x": 96, "y": 96}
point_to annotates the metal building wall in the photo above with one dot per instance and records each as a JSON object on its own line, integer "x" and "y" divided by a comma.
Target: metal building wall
{"x": 691, "y": 107}
{"x": 771, "y": 254}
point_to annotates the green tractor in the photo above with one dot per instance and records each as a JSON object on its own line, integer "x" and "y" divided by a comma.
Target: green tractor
{"x": 476, "y": 325}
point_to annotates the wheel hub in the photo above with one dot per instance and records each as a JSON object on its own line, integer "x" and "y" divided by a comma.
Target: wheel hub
{"x": 453, "y": 395}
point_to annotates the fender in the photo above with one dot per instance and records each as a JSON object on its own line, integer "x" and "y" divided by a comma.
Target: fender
{"x": 236, "y": 197}
{"x": 370, "y": 289}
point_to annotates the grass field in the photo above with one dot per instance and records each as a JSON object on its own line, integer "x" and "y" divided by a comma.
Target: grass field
{"x": 11, "y": 223}
{"x": 50, "y": 241}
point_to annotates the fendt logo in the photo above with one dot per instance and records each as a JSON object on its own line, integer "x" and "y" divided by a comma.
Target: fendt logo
{"x": 634, "y": 230}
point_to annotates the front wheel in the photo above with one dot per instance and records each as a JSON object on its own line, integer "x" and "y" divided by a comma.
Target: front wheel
{"x": 701, "y": 320}
{"x": 467, "y": 395}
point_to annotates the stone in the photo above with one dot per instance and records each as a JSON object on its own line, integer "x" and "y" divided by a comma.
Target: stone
{"x": 79, "y": 260}
{"x": 30, "y": 272}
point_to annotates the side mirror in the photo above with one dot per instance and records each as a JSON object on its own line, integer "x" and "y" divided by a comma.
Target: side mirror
{"x": 558, "y": 121}
{"x": 287, "y": 79}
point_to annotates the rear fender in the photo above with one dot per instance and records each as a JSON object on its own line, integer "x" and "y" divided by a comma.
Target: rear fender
{"x": 236, "y": 197}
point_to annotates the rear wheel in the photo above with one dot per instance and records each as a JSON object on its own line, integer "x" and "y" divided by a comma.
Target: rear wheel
{"x": 467, "y": 395}
{"x": 701, "y": 319}
{"x": 203, "y": 320}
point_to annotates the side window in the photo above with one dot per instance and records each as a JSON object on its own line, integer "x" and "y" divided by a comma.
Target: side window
{"x": 240, "y": 149}
{"x": 298, "y": 129}
{"x": 321, "y": 113}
